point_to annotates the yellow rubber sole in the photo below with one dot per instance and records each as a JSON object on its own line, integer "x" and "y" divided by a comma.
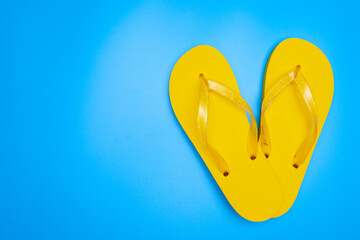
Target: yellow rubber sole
{"x": 252, "y": 188}
{"x": 288, "y": 118}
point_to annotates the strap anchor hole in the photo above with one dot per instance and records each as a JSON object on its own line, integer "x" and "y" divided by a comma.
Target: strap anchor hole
{"x": 226, "y": 174}
{"x": 253, "y": 157}
{"x": 295, "y": 165}
{"x": 266, "y": 155}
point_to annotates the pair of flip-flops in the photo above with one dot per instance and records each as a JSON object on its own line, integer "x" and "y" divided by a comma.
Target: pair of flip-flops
{"x": 260, "y": 176}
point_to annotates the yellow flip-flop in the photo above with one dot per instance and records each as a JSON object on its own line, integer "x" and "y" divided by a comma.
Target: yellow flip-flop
{"x": 206, "y": 100}
{"x": 297, "y": 94}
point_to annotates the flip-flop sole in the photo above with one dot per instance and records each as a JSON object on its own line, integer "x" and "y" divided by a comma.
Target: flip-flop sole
{"x": 251, "y": 188}
{"x": 288, "y": 118}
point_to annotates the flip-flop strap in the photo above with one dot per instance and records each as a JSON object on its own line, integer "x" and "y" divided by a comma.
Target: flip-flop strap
{"x": 202, "y": 119}
{"x": 303, "y": 88}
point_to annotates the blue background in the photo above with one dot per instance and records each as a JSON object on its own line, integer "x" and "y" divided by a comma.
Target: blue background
{"x": 90, "y": 147}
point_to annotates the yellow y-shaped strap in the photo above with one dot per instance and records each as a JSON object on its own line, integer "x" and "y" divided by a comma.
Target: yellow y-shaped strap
{"x": 292, "y": 77}
{"x": 202, "y": 117}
